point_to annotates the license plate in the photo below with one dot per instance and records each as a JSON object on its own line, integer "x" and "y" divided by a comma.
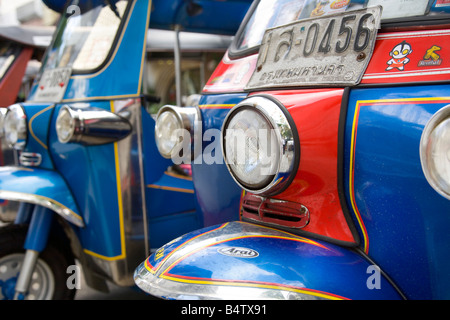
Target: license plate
{"x": 332, "y": 50}
{"x": 52, "y": 85}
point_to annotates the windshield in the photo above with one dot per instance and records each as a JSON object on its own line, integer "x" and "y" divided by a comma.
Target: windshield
{"x": 272, "y": 13}
{"x": 85, "y": 37}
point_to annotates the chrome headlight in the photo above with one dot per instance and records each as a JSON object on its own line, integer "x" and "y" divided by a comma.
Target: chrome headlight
{"x": 15, "y": 127}
{"x": 67, "y": 123}
{"x": 435, "y": 151}
{"x": 176, "y": 129}
{"x": 260, "y": 146}
{"x": 90, "y": 126}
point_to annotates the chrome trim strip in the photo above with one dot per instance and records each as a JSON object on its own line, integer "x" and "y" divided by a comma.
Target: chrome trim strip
{"x": 31, "y": 159}
{"x": 132, "y": 207}
{"x": 51, "y": 204}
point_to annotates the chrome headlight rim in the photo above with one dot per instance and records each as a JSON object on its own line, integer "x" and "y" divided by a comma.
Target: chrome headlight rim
{"x": 441, "y": 117}
{"x": 188, "y": 119}
{"x": 76, "y": 125}
{"x": 288, "y": 143}
{"x": 21, "y": 127}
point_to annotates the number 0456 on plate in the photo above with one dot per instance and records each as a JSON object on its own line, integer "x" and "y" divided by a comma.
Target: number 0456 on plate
{"x": 330, "y": 50}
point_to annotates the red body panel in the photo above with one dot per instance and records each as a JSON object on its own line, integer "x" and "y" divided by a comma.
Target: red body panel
{"x": 10, "y": 84}
{"x": 316, "y": 115}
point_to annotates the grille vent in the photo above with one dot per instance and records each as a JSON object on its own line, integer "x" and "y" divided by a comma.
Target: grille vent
{"x": 274, "y": 211}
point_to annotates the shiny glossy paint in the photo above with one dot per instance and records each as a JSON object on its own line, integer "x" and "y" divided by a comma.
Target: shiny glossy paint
{"x": 428, "y": 59}
{"x": 316, "y": 114}
{"x": 217, "y": 193}
{"x": 401, "y": 219}
{"x": 82, "y": 166}
{"x": 280, "y": 261}
{"x": 38, "y": 116}
{"x": 40, "y": 186}
{"x": 359, "y": 165}
{"x": 118, "y": 201}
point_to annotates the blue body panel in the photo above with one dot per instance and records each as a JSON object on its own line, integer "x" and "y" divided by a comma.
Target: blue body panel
{"x": 218, "y": 194}
{"x": 90, "y": 172}
{"x": 39, "y": 185}
{"x": 172, "y": 208}
{"x": 279, "y": 261}
{"x": 171, "y": 203}
{"x": 39, "y": 116}
{"x": 405, "y": 219}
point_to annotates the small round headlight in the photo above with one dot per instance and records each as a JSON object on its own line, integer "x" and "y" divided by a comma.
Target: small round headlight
{"x": 435, "y": 151}
{"x": 15, "y": 127}
{"x": 65, "y": 125}
{"x": 166, "y": 125}
{"x": 251, "y": 148}
{"x": 176, "y": 127}
{"x": 259, "y": 146}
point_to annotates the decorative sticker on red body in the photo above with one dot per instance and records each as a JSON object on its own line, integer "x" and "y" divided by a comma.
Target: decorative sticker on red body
{"x": 409, "y": 57}
{"x": 421, "y": 57}
{"x": 442, "y": 3}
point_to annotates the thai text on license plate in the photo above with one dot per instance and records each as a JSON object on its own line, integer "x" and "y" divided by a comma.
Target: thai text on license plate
{"x": 333, "y": 50}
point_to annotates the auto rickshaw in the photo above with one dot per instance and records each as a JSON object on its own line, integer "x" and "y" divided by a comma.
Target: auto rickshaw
{"x": 333, "y": 123}
{"x": 92, "y": 186}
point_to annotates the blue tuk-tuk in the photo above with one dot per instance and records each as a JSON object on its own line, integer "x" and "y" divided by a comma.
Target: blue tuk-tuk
{"x": 331, "y": 132}
{"x": 91, "y": 184}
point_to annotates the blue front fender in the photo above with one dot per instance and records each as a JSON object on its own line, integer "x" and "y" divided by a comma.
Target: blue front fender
{"x": 39, "y": 186}
{"x": 244, "y": 261}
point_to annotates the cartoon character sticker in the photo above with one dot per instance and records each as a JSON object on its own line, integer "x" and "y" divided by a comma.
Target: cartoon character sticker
{"x": 399, "y": 56}
{"x": 324, "y": 7}
{"x": 431, "y": 57}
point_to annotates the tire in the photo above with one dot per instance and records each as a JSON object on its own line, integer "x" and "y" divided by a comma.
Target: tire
{"x": 49, "y": 277}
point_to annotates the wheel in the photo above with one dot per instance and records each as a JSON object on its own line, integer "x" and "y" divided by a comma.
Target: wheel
{"x": 48, "y": 281}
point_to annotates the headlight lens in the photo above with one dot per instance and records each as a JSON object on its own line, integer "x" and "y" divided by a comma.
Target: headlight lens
{"x": 15, "y": 127}
{"x": 176, "y": 129}
{"x": 166, "y": 126}
{"x": 249, "y": 130}
{"x": 259, "y": 146}
{"x": 435, "y": 151}
{"x": 65, "y": 125}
